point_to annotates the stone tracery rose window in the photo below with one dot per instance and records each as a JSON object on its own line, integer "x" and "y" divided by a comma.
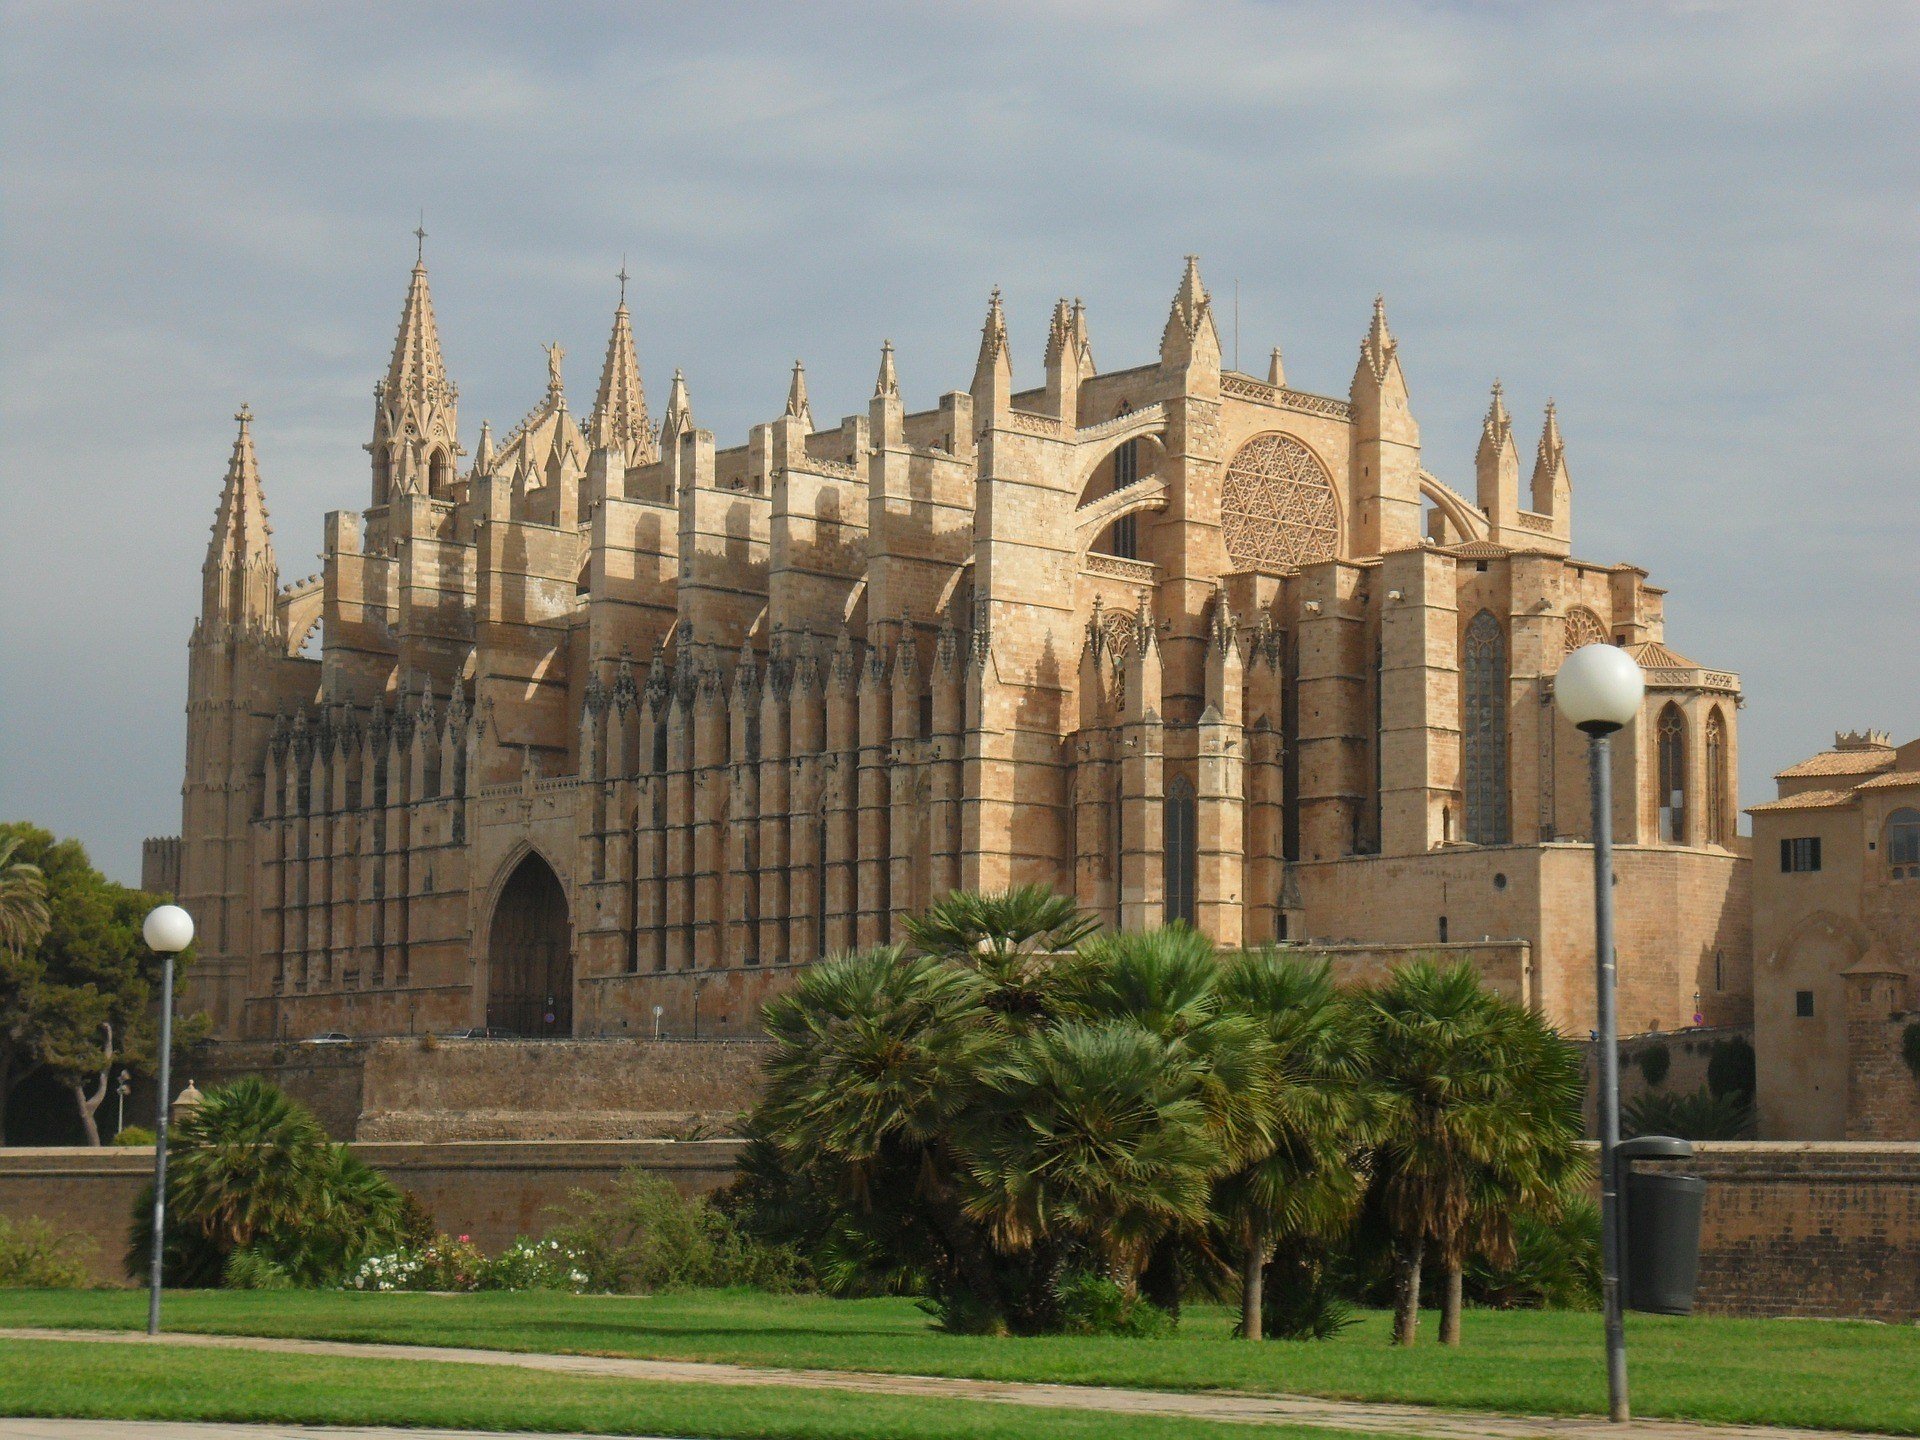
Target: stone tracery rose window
{"x": 1583, "y": 627}
{"x": 1276, "y": 506}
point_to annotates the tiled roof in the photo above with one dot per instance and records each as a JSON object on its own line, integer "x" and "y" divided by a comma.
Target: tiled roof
{"x": 1892, "y": 780}
{"x": 1839, "y": 762}
{"x": 1806, "y": 800}
{"x": 1480, "y": 550}
{"x": 1652, "y": 655}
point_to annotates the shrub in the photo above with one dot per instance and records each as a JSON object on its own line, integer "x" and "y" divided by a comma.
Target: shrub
{"x": 251, "y": 1169}
{"x": 1730, "y": 1068}
{"x": 250, "y": 1270}
{"x": 134, "y": 1135}
{"x": 535, "y": 1265}
{"x": 1701, "y": 1115}
{"x": 644, "y": 1235}
{"x": 1556, "y": 1263}
{"x": 33, "y": 1256}
{"x": 1654, "y": 1062}
{"x": 1091, "y": 1304}
{"x": 1301, "y": 1299}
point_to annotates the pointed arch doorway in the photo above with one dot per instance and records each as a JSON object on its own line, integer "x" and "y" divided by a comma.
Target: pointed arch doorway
{"x": 530, "y": 954}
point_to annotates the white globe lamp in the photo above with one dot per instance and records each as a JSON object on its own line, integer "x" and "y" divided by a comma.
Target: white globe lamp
{"x": 167, "y": 930}
{"x": 1599, "y": 688}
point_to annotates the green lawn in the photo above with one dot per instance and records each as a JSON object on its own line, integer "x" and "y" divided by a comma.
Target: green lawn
{"x": 1807, "y": 1373}
{"x": 48, "y": 1378}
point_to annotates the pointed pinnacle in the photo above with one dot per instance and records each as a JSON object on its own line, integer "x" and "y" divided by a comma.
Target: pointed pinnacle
{"x": 889, "y": 382}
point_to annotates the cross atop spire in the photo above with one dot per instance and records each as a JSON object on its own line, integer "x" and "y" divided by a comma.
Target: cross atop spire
{"x": 420, "y": 240}
{"x": 622, "y": 277}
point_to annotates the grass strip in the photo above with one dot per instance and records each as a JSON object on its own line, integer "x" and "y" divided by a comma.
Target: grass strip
{"x": 1812, "y": 1374}
{"x": 77, "y": 1380}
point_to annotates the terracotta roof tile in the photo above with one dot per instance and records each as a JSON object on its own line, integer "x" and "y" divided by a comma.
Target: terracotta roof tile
{"x": 1892, "y": 780}
{"x": 1652, "y": 655}
{"x": 1839, "y": 762}
{"x": 1806, "y": 800}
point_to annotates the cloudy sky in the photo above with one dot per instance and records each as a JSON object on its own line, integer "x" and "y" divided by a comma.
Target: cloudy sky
{"x": 1693, "y": 225}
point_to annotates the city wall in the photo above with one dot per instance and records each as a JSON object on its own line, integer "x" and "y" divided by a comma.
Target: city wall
{"x": 1816, "y": 1229}
{"x": 491, "y": 1192}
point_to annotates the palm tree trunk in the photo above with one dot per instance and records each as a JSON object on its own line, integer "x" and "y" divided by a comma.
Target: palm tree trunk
{"x": 1450, "y": 1305}
{"x": 1253, "y": 1273}
{"x": 1406, "y": 1292}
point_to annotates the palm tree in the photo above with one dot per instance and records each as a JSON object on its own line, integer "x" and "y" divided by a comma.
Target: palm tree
{"x": 1301, "y": 1187}
{"x": 1477, "y": 1117}
{"x": 1097, "y": 1132}
{"x": 1011, "y": 937}
{"x": 23, "y": 899}
{"x": 876, "y": 1056}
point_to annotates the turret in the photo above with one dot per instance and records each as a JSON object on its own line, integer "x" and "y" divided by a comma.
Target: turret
{"x": 415, "y": 442}
{"x": 992, "y": 387}
{"x": 1552, "y": 487}
{"x": 239, "y": 580}
{"x": 1190, "y": 341}
{"x": 1385, "y": 475}
{"x": 1496, "y": 466}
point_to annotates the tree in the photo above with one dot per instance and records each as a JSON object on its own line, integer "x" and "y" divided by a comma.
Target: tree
{"x": 1096, "y": 1132}
{"x": 1299, "y": 1188}
{"x": 1167, "y": 981}
{"x": 83, "y": 997}
{"x": 253, "y": 1171}
{"x": 23, "y": 899}
{"x": 1013, "y": 938}
{"x": 1477, "y": 1118}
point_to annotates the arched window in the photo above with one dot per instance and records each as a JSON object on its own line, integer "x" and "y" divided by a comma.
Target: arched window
{"x": 1177, "y": 850}
{"x": 1719, "y": 786}
{"x": 1485, "y": 732}
{"x": 1903, "y": 845}
{"x": 439, "y": 473}
{"x": 1671, "y": 736}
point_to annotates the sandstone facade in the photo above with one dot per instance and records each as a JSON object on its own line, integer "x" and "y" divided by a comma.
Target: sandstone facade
{"x": 1836, "y": 919}
{"x": 603, "y": 729}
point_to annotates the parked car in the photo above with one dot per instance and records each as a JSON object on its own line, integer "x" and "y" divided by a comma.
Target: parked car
{"x": 485, "y": 1032}
{"x": 328, "y": 1037}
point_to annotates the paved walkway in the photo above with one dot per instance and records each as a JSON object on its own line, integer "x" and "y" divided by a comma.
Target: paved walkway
{"x": 1379, "y": 1419}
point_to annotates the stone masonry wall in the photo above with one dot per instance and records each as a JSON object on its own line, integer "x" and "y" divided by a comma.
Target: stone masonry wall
{"x": 491, "y": 1192}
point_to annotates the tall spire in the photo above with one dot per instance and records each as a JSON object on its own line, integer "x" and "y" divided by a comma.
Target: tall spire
{"x": 1497, "y": 428}
{"x": 797, "y": 406}
{"x": 240, "y": 579}
{"x": 416, "y": 422}
{"x": 1552, "y": 487}
{"x": 679, "y": 411}
{"x": 1190, "y": 333}
{"x": 1377, "y": 350}
{"x": 993, "y": 371}
{"x": 889, "y": 383}
{"x": 619, "y": 420}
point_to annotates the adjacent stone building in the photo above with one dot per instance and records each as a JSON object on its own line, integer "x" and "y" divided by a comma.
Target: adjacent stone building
{"x": 1836, "y": 929}
{"x": 601, "y": 728}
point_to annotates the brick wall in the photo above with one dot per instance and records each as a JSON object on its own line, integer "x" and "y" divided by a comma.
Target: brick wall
{"x": 489, "y": 1191}
{"x": 1809, "y": 1228}
{"x": 420, "y": 1089}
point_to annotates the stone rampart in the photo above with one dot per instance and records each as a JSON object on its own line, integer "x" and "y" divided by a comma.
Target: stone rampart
{"x": 491, "y": 1192}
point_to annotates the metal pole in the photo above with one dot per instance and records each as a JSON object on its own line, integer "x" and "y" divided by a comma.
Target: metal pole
{"x": 160, "y": 1149}
{"x": 1600, "y": 754}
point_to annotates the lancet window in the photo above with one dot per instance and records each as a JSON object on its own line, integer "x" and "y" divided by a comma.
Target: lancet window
{"x": 1671, "y": 737}
{"x": 1178, "y": 850}
{"x": 1719, "y": 781}
{"x": 1485, "y": 732}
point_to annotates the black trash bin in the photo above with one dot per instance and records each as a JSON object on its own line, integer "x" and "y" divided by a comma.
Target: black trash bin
{"x": 1663, "y": 1227}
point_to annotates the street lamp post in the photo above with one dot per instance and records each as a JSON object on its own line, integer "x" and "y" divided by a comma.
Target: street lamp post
{"x": 1599, "y": 688}
{"x": 122, "y": 1089}
{"x": 168, "y": 930}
